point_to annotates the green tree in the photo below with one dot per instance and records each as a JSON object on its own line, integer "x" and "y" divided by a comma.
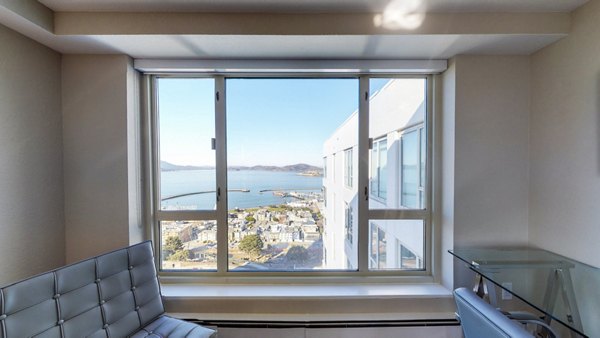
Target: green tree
{"x": 250, "y": 219}
{"x": 172, "y": 245}
{"x": 181, "y": 255}
{"x": 297, "y": 254}
{"x": 251, "y": 244}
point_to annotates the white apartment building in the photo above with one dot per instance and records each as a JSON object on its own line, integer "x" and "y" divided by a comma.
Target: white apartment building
{"x": 396, "y": 180}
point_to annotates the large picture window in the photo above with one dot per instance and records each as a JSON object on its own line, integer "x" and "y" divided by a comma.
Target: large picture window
{"x": 258, "y": 175}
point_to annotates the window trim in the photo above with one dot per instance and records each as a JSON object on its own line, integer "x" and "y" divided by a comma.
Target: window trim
{"x": 151, "y": 167}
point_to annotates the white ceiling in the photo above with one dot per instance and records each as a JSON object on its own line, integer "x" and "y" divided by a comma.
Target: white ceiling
{"x": 310, "y": 6}
{"x": 307, "y": 47}
{"x": 438, "y": 45}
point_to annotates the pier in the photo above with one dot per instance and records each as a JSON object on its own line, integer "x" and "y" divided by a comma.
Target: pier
{"x": 267, "y": 190}
{"x": 201, "y": 192}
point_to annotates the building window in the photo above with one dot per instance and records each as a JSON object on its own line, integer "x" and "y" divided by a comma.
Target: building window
{"x": 241, "y": 182}
{"x": 379, "y": 169}
{"x": 348, "y": 168}
{"x": 413, "y": 169}
{"x": 378, "y": 259}
{"x": 349, "y": 221}
{"x": 406, "y": 258}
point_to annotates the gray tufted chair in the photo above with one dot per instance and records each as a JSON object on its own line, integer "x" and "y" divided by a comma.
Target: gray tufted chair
{"x": 110, "y": 296}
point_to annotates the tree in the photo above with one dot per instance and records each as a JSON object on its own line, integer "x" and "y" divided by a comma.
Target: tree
{"x": 172, "y": 245}
{"x": 181, "y": 255}
{"x": 297, "y": 254}
{"x": 251, "y": 244}
{"x": 250, "y": 219}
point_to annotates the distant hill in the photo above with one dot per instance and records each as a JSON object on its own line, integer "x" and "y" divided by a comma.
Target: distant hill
{"x": 166, "y": 166}
{"x": 297, "y": 168}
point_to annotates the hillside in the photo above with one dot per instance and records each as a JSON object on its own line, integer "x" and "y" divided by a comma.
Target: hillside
{"x": 298, "y": 168}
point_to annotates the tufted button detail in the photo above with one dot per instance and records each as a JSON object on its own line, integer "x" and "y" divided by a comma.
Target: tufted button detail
{"x": 137, "y": 308}
{"x": 3, "y": 317}
{"x": 131, "y": 267}
{"x": 56, "y": 296}
{"x": 105, "y": 326}
{"x": 97, "y": 281}
{"x": 133, "y": 288}
{"x": 102, "y": 302}
{"x": 60, "y": 322}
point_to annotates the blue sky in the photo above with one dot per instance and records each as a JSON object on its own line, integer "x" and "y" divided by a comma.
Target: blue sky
{"x": 269, "y": 121}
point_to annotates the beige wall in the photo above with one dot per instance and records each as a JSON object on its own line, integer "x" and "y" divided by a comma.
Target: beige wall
{"x": 491, "y": 150}
{"x": 31, "y": 182}
{"x": 97, "y": 116}
{"x": 565, "y": 141}
{"x": 446, "y": 101}
{"x": 485, "y": 154}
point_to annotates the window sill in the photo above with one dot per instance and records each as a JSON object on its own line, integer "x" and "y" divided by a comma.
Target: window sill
{"x": 362, "y": 291}
{"x": 311, "y": 303}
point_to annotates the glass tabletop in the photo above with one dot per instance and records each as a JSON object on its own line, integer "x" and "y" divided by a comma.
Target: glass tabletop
{"x": 563, "y": 289}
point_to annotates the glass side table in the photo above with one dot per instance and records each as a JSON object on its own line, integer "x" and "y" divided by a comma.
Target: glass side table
{"x": 541, "y": 279}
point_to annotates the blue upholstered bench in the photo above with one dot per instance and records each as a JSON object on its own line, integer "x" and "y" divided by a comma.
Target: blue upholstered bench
{"x": 110, "y": 296}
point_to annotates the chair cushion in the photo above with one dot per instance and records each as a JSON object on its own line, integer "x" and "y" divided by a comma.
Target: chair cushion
{"x": 166, "y": 326}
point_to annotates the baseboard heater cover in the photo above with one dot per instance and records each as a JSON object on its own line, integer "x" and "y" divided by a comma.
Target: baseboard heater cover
{"x": 326, "y": 324}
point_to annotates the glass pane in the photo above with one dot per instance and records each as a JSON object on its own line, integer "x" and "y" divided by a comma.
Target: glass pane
{"x": 410, "y": 169}
{"x": 396, "y": 245}
{"x": 186, "y": 111}
{"x": 423, "y": 167}
{"x": 349, "y": 224}
{"x": 395, "y": 105}
{"x": 382, "y": 169}
{"x": 348, "y": 167}
{"x": 188, "y": 245}
{"x": 282, "y": 133}
{"x": 374, "y": 171}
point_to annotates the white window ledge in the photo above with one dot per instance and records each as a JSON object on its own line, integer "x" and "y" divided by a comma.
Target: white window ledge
{"x": 322, "y": 302}
{"x": 321, "y": 291}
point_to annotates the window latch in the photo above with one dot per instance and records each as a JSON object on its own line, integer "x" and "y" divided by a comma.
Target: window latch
{"x": 213, "y": 143}
{"x": 366, "y": 193}
{"x": 370, "y": 143}
{"x": 218, "y": 194}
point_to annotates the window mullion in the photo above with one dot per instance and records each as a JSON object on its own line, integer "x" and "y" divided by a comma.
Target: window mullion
{"x": 429, "y": 137}
{"x": 221, "y": 172}
{"x": 152, "y": 165}
{"x": 398, "y": 214}
{"x": 186, "y": 215}
{"x": 363, "y": 173}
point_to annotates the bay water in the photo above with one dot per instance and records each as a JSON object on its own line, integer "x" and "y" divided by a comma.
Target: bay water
{"x": 260, "y": 185}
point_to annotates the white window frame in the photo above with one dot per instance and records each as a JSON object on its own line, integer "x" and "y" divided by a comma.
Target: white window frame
{"x": 152, "y": 173}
